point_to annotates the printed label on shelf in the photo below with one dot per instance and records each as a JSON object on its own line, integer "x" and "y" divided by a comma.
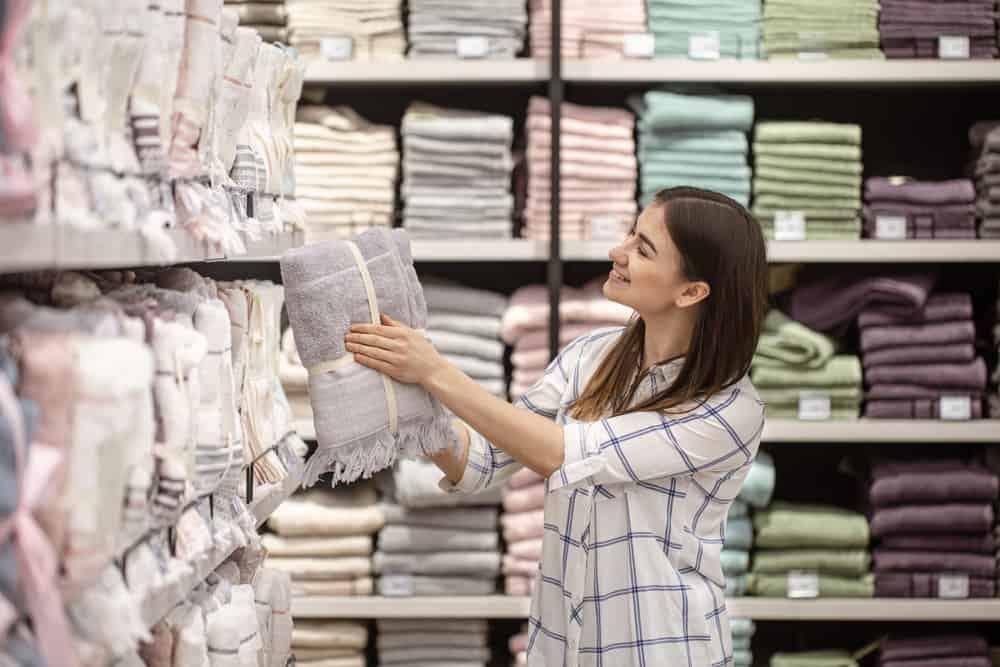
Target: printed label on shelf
{"x": 789, "y": 226}
{"x": 640, "y": 45}
{"x": 704, "y": 46}
{"x": 956, "y": 408}
{"x": 472, "y": 47}
{"x": 814, "y": 406}
{"x": 952, "y": 47}
{"x": 336, "y": 47}
{"x": 802, "y": 584}
{"x": 397, "y": 585}
{"x": 605, "y": 228}
{"x": 953, "y": 586}
{"x": 890, "y": 227}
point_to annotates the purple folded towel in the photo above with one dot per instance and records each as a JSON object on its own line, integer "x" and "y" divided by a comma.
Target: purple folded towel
{"x": 893, "y": 467}
{"x": 918, "y": 408}
{"x": 974, "y": 565}
{"x": 969, "y": 376}
{"x": 973, "y": 544}
{"x": 932, "y": 333}
{"x": 891, "y": 392}
{"x": 919, "y": 354}
{"x": 938, "y": 487}
{"x": 924, "y": 585}
{"x": 939, "y": 307}
{"x": 936, "y": 646}
{"x": 957, "y": 191}
{"x": 959, "y": 661}
{"x": 962, "y": 518}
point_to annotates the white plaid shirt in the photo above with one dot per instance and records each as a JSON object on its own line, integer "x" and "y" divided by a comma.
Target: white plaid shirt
{"x": 634, "y": 520}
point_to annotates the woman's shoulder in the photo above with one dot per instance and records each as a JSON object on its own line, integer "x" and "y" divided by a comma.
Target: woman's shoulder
{"x": 740, "y": 402}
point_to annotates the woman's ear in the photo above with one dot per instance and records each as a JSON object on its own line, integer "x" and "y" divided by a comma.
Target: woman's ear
{"x": 694, "y": 292}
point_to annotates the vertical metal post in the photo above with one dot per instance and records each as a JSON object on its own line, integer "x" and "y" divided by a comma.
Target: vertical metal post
{"x": 249, "y": 493}
{"x": 554, "y": 270}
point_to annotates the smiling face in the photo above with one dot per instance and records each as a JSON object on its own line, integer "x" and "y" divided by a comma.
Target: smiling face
{"x": 647, "y": 273}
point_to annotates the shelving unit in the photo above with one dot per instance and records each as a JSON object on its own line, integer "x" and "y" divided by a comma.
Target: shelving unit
{"x": 334, "y": 73}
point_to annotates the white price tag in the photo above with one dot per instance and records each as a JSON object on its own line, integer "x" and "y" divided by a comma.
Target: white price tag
{"x": 956, "y": 408}
{"x": 953, "y": 586}
{"x": 814, "y": 406}
{"x": 803, "y": 584}
{"x": 336, "y": 47}
{"x": 397, "y": 585}
{"x": 605, "y": 228}
{"x": 789, "y": 226}
{"x": 890, "y": 227}
{"x": 704, "y": 46}
{"x": 640, "y": 45}
{"x": 472, "y": 47}
{"x": 951, "y": 47}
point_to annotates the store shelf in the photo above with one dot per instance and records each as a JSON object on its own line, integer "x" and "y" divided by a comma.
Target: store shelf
{"x": 861, "y": 251}
{"x": 28, "y": 247}
{"x": 503, "y": 250}
{"x": 771, "y": 609}
{"x": 264, "y": 506}
{"x": 840, "y": 72}
{"x": 331, "y": 73}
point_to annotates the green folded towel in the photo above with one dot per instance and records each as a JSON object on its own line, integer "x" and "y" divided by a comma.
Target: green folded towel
{"x": 742, "y": 643}
{"x": 809, "y": 165}
{"x": 783, "y": 341}
{"x": 767, "y": 213}
{"x": 784, "y": 175}
{"x": 843, "y": 396}
{"x": 867, "y": 53}
{"x": 698, "y": 141}
{"x": 674, "y": 111}
{"x": 737, "y": 585}
{"x": 840, "y": 562}
{"x": 739, "y": 533}
{"x": 776, "y": 586}
{"x": 813, "y": 659}
{"x": 742, "y": 627}
{"x": 742, "y": 658}
{"x": 766, "y": 186}
{"x": 680, "y": 159}
{"x": 758, "y": 485}
{"x": 837, "y": 230}
{"x": 807, "y": 132}
{"x": 786, "y": 525}
{"x": 814, "y": 151}
{"x": 734, "y": 562}
{"x": 842, "y": 370}
{"x": 787, "y": 203}
{"x": 738, "y": 509}
{"x": 837, "y": 412}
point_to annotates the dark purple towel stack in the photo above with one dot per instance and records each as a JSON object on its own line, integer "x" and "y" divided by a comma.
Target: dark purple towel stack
{"x": 985, "y": 140}
{"x": 933, "y": 519}
{"x": 994, "y": 397}
{"x": 935, "y": 651}
{"x": 932, "y": 210}
{"x": 912, "y": 28}
{"x": 912, "y": 361}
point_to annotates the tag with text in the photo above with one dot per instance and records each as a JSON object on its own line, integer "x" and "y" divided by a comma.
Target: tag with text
{"x": 639, "y": 45}
{"x": 336, "y": 47}
{"x": 890, "y": 227}
{"x": 952, "y": 47}
{"x": 953, "y": 586}
{"x": 789, "y": 226}
{"x": 472, "y": 47}
{"x": 956, "y": 408}
{"x": 704, "y": 46}
{"x": 605, "y": 228}
{"x": 814, "y": 406}
{"x": 803, "y": 585}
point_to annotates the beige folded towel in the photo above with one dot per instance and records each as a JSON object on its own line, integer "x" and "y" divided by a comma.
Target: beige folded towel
{"x": 315, "y": 634}
{"x": 349, "y": 567}
{"x": 353, "y": 545}
{"x": 346, "y": 587}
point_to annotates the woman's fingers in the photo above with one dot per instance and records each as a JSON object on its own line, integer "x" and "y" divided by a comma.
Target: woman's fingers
{"x": 379, "y": 330}
{"x": 373, "y": 340}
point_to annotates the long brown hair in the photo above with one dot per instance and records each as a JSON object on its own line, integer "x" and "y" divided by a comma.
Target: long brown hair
{"x": 720, "y": 243}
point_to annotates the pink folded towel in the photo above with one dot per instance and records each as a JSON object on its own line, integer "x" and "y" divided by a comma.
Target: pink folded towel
{"x": 524, "y": 499}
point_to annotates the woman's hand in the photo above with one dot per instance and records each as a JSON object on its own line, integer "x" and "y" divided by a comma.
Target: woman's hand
{"x": 394, "y": 349}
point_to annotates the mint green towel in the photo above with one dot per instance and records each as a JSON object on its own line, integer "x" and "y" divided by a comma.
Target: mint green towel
{"x": 655, "y": 167}
{"x": 698, "y": 141}
{"x": 783, "y": 341}
{"x": 787, "y": 203}
{"x": 742, "y": 643}
{"x": 786, "y": 175}
{"x": 734, "y": 43}
{"x": 767, "y": 213}
{"x": 842, "y": 370}
{"x": 814, "y": 151}
{"x": 840, "y": 562}
{"x": 764, "y": 186}
{"x": 739, "y": 533}
{"x": 786, "y": 525}
{"x": 758, "y": 485}
{"x": 650, "y": 189}
{"x": 790, "y": 396}
{"x": 680, "y": 159}
{"x": 742, "y": 658}
{"x": 665, "y": 110}
{"x": 807, "y": 132}
{"x": 776, "y": 586}
{"x": 737, "y": 585}
{"x": 742, "y": 627}
{"x": 734, "y": 562}
{"x": 810, "y": 165}
{"x": 738, "y": 509}
{"x": 813, "y": 659}
{"x": 837, "y": 412}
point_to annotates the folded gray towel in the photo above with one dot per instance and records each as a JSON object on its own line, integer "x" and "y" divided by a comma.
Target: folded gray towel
{"x": 459, "y": 518}
{"x": 484, "y": 564}
{"x": 413, "y": 539}
{"x": 408, "y": 585}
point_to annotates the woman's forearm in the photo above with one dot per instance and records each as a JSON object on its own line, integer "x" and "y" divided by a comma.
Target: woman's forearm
{"x": 532, "y": 440}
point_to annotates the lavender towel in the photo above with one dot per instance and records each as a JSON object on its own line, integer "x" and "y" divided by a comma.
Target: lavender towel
{"x": 957, "y": 191}
{"x": 974, "y": 565}
{"x": 971, "y": 376}
{"x": 909, "y": 648}
{"x": 925, "y": 585}
{"x": 919, "y": 354}
{"x": 912, "y": 409}
{"x": 934, "y": 333}
{"x": 973, "y": 544}
{"x": 963, "y": 518}
{"x": 910, "y": 488}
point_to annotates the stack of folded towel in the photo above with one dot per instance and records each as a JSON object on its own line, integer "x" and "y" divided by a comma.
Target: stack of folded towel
{"x": 436, "y": 28}
{"x": 994, "y": 395}
{"x": 827, "y": 658}
{"x": 985, "y": 140}
{"x": 956, "y": 649}
{"x": 526, "y": 321}
{"x": 597, "y": 172}
{"x": 374, "y": 27}
{"x": 523, "y": 526}
{"x": 913, "y": 361}
{"x": 328, "y": 643}
{"x": 439, "y": 642}
{"x": 809, "y": 167}
{"x": 294, "y": 378}
{"x": 791, "y": 360}
{"x": 827, "y": 541}
{"x": 267, "y": 17}
{"x": 345, "y": 171}
{"x": 323, "y": 539}
{"x": 933, "y": 519}
{"x": 518, "y": 646}
{"x": 743, "y": 630}
{"x": 694, "y": 140}
{"x": 931, "y": 209}
{"x": 435, "y": 543}
{"x": 589, "y": 29}
{"x": 806, "y": 29}
{"x": 676, "y": 24}
{"x": 912, "y": 28}
{"x": 758, "y": 487}
{"x": 463, "y": 323}
{"x": 457, "y": 173}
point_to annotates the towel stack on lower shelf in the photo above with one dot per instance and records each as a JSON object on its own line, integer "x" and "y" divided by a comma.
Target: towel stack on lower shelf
{"x": 589, "y": 29}
{"x": 743, "y": 630}
{"x": 438, "y": 642}
{"x": 731, "y": 28}
{"x": 758, "y": 487}
{"x": 525, "y": 326}
{"x": 597, "y": 172}
{"x": 915, "y": 28}
{"x": 523, "y": 527}
{"x": 435, "y": 543}
{"x": 327, "y": 643}
{"x": 793, "y": 363}
{"x": 919, "y": 209}
{"x": 323, "y": 540}
{"x": 518, "y": 647}
{"x": 455, "y": 28}
{"x": 267, "y": 17}
{"x": 920, "y": 364}
{"x": 807, "y": 170}
{"x": 828, "y": 543}
{"x": 694, "y": 140}
{"x": 827, "y": 658}
{"x": 345, "y": 172}
{"x": 985, "y": 140}
{"x": 804, "y": 30}
{"x": 369, "y": 31}
{"x": 457, "y": 169}
{"x": 934, "y": 521}
{"x": 463, "y": 323}
{"x": 994, "y": 395}
{"x": 967, "y": 650}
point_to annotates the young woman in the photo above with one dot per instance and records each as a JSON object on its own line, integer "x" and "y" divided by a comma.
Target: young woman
{"x": 644, "y": 434}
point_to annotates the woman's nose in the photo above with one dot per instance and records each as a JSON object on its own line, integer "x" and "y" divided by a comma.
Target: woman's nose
{"x": 618, "y": 255}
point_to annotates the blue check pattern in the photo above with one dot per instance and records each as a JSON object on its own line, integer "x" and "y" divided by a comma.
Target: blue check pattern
{"x": 634, "y": 520}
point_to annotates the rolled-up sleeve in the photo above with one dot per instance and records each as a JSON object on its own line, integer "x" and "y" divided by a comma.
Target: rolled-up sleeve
{"x": 642, "y": 446}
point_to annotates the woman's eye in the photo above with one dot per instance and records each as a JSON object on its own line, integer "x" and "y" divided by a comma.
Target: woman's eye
{"x": 642, "y": 252}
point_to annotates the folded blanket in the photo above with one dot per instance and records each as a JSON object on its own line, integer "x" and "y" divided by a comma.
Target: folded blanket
{"x": 411, "y": 539}
{"x": 776, "y": 585}
{"x": 353, "y": 545}
{"x": 958, "y": 353}
{"x": 466, "y": 655}
{"x": 969, "y": 376}
{"x": 523, "y": 525}
{"x": 481, "y": 326}
{"x": 839, "y": 371}
{"x": 312, "y": 515}
{"x": 372, "y": 275}
{"x": 918, "y": 408}
{"x": 529, "y": 309}
{"x": 344, "y": 587}
{"x": 460, "y": 563}
{"x": 524, "y": 499}
{"x": 969, "y": 485}
{"x": 977, "y": 544}
{"x": 441, "y": 637}
{"x": 458, "y": 518}
{"x": 661, "y": 110}
{"x": 790, "y": 525}
{"x": 405, "y": 585}
{"x": 734, "y": 562}
{"x": 925, "y": 585}
{"x": 920, "y": 561}
{"x": 933, "y": 333}
{"x": 846, "y": 562}
{"x": 458, "y": 627}
{"x": 936, "y": 646}
{"x": 958, "y": 518}
{"x": 784, "y": 341}
{"x": 322, "y": 568}
{"x": 311, "y": 633}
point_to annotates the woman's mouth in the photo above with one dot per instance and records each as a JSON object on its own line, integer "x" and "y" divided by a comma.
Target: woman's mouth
{"x": 618, "y": 277}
